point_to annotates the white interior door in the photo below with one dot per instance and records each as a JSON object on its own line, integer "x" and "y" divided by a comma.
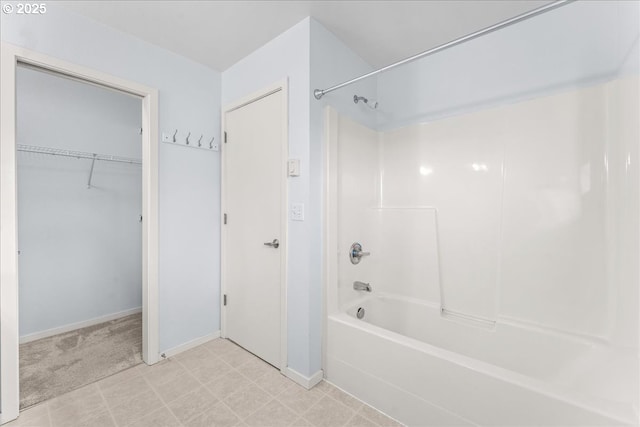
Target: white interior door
{"x": 254, "y": 177}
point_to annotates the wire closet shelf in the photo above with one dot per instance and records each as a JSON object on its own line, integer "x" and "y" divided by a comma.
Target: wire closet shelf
{"x": 77, "y": 154}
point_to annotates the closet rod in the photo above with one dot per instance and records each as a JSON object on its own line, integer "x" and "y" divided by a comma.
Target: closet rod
{"x": 77, "y": 154}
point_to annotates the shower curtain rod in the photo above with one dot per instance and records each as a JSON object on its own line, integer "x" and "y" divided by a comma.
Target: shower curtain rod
{"x": 319, "y": 93}
{"x": 76, "y": 154}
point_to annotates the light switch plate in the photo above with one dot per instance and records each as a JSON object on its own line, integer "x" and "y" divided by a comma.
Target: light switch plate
{"x": 293, "y": 167}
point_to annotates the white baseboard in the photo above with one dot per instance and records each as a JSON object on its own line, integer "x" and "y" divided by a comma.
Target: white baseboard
{"x": 306, "y": 382}
{"x": 73, "y": 326}
{"x": 6, "y": 419}
{"x": 189, "y": 345}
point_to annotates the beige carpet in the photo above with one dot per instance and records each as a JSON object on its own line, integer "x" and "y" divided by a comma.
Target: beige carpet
{"x": 56, "y": 365}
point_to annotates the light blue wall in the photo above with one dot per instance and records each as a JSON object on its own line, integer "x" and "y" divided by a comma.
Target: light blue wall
{"x": 287, "y": 57}
{"x": 80, "y": 249}
{"x": 189, "y": 179}
{"x": 575, "y": 45}
{"x": 332, "y": 62}
{"x": 309, "y": 56}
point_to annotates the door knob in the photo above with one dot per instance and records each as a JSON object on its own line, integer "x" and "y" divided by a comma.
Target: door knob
{"x": 273, "y": 244}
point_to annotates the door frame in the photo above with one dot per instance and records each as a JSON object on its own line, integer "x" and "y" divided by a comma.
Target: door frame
{"x": 10, "y": 57}
{"x": 281, "y": 86}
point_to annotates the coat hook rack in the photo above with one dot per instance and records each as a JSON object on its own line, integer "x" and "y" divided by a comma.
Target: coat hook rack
{"x": 173, "y": 139}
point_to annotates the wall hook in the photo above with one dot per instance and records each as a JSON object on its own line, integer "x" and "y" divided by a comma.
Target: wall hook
{"x": 188, "y": 138}
{"x": 211, "y": 142}
{"x": 199, "y": 141}
{"x": 174, "y": 135}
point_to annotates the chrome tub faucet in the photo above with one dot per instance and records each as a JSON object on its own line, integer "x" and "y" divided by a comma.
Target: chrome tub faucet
{"x": 361, "y": 286}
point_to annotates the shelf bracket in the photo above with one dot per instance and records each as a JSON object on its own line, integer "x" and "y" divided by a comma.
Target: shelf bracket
{"x": 93, "y": 162}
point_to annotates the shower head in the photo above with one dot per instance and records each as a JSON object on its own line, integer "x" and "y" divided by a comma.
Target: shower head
{"x": 357, "y": 99}
{"x": 373, "y": 104}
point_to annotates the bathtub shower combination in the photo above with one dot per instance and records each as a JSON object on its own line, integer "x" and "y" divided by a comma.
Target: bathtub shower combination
{"x": 482, "y": 229}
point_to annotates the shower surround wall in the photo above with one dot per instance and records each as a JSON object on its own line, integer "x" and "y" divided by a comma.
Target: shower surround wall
{"x": 511, "y": 221}
{"x": 454, "y": 167}
{"x": 530, "y": 174}
{"x": 498, "y": 195}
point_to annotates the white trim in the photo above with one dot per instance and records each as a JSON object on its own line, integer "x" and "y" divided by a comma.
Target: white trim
{"x": 190, "y": 344}
{"x": 330, "y": 224}
{"x": 150, "y": 227}
{"x": 283, "y": 86}
{"x": 306, "y": 382}
{"x": 9, "y": 382}
{"x": 78, "y": 325}
{"x": 10, "y": 55}
{"x": 223, "y": 232}
{"x": 284, "y": 224}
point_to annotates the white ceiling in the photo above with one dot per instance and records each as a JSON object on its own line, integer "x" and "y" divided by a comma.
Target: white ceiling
{"x": 219, "y": 33}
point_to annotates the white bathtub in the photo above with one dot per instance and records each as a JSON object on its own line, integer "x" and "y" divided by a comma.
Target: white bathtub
{"x": 425, "y": 368}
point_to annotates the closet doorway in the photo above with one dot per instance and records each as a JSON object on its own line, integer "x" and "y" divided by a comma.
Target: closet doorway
{"x": 78, "y": 222}
{"x": 79, "y": 233}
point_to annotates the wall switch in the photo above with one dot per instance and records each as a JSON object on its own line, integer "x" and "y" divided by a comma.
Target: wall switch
{"x": 166, "y": 137}
{"x": 294, "y": 167}
{"x": 297, "y": 211}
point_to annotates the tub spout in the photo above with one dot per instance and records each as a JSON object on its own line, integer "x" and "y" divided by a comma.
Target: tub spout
{"x": 361, "y": 286}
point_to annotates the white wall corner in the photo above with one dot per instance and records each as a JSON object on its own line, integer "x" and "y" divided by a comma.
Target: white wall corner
{"x": 306, "y": 382}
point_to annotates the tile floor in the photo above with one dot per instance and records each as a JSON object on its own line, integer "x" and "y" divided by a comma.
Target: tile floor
{"x": 215, "y": 384}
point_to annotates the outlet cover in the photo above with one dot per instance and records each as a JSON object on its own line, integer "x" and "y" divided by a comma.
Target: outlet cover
{"x": 297, "y": 211}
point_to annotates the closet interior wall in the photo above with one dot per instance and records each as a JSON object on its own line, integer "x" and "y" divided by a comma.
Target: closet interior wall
{"x": 80, "y": 245}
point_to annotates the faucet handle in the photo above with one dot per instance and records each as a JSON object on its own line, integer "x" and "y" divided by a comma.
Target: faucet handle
{"x": 356, "y": 253}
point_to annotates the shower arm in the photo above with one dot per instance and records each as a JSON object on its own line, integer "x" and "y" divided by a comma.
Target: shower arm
{"x": 319, "y": 93}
